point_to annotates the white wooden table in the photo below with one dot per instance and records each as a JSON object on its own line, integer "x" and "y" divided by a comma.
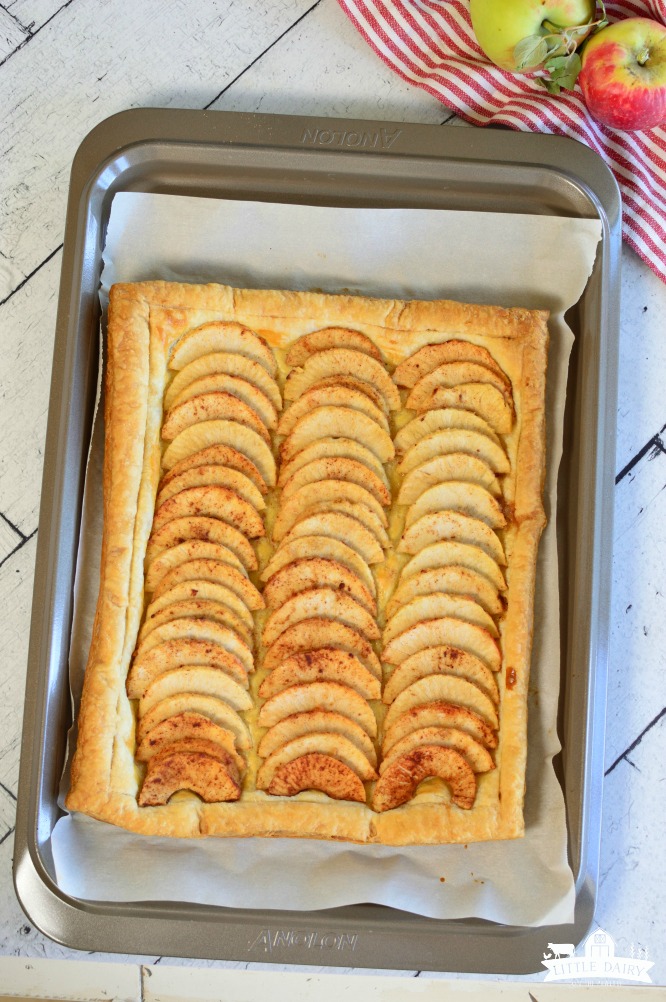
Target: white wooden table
{"x": 64, "y": 67}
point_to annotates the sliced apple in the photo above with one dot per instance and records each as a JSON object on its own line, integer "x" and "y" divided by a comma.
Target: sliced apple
{"x": 212, "y": 407}
{"x": 342, "y": 527}
{"x": 455, "y": 495}
{"x": 211, "y": 502}
{"x": 455, "y": 466}
{"x": 435, "y": 607}
{"x": 335, "y": 745}
{"x": 441, "y": 660}
{"x": 328, "y": 548}
{"x": 221, "y": 382}
{"x": 211, "y": 707}
{"x": 197, "y": 680}
{"x": 482, "y": 398}
{"x": 220, "y": 335}
{"x": 217, "y": 455}
{"x": 216, "y": 572}
{"x": 333, "y": 395}
{"x": 453, "y": 525}
{"x": 193, "y": 549}
{"x": 454, "y": 580}
{"x": 445, "y": 630}
{"x": 443, "y": 689}
{"x": 206, "y": 630}
{"x": 439, "y": 715}
{"x": 325, "y": 664}
{"x": 342, "y": 362}
{"x": 313, "y": 494}
{"x": 356, "y": 384}
{"x": 360, "y": 512}
{"x": 337, "y": 468}
{"x": 400, "y": 780}
{"x": 319, "y": 696}
{"x": 431, "y": 356}
{"x": 440, "y": 443}
{"x": 176, "y": 655}
{"x": 317, "y": 772}
{"x": 200, "y": 767}
{"x": 210, "y": 476}
{"x": 446, "y": 554}
{"x": 321, "y": 603}
{"x": 195, "y": 608}
{"x": 332, "y": 448}
{"x": 451, "y": 375}
{"x": 328, "y": 338}
{"x": 478, "y": 757}
{"x": 200, "y": 527}
{"x": 201, "y": 590}
{"x": 231, "y": 433}
{"x": 308, "y": 722}
{"x": 316, "y": 572}
{"x": 438, "y": 420}
{"x": 337, "y": 422}
{"x": 310, "y": 634}
{"x": 230, "y": 364}
{"x": 188, "y": 725}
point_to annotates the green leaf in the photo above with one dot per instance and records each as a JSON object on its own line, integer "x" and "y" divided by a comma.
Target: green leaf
{"x": 556, "y": 63}
{"x": 563, "y": 72}
{"x": 530, "y": 52}
{"x": 552, "y": 86}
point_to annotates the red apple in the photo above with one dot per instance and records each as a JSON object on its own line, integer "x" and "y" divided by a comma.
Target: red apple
{"x": 623, "y": 77}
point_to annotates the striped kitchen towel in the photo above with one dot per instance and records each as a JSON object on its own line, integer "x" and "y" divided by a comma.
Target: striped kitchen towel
{"x": 430, "y": 43}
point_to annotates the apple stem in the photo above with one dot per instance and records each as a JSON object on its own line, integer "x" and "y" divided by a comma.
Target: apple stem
{"x": 642, "y": 56}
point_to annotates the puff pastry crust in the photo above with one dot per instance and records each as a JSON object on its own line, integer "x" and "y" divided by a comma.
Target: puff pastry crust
{"x": 146, "y": 320}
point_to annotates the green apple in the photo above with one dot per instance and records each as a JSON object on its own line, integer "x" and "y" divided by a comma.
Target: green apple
{"x": 500, "y": 25}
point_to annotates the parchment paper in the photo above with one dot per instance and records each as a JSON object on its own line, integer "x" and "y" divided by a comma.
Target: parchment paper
{"x": 501, "y": 259}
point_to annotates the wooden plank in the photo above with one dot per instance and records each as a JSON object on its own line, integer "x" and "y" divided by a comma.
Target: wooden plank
{"x": 636, "y": 678}
{"x": 28, "y": 325}
{"x": 178, "y": 984}
{"x": 323, "y": 67}
{"x": 36, "y": 978}
{"x": 75, "y": 61}
{"x": 16, "y": 579}
{"x": 35, "y": 13}
{"x": 9, "y": 538}
{"x": 12, "y": 33}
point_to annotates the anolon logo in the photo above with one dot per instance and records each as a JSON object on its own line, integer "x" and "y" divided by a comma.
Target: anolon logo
{"x": 376, "y": 139}
{"x": 274, "y": 939}
{"x": 597, "y": 961}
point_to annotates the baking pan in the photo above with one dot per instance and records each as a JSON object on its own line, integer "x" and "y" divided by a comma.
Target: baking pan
{"x": 325, "y": 162}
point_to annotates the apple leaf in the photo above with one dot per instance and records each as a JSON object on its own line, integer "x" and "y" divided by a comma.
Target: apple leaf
{"x": 530, "y": 52}
{"x": 562, "y": 73}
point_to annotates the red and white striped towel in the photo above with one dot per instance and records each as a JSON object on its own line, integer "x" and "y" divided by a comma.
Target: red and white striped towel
{"x": 430, "y": 43}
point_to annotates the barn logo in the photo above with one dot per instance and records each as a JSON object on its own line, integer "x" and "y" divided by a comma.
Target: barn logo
{"x": 598, "y": 961}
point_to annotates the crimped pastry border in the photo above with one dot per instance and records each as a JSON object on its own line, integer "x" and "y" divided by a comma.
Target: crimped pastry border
{"x": 145, "y": 320}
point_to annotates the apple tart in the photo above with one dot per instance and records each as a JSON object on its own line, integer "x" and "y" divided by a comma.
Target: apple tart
{"x": 321, "y": 521}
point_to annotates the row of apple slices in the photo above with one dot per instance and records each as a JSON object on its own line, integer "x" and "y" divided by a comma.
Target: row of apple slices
{"x": 323, "y": 673}
{"x": 441, "y": 630}
{"x": 195, "y": 650}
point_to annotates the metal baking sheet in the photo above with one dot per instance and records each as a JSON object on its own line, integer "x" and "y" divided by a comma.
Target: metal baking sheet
{"x": 325, "y": 162}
